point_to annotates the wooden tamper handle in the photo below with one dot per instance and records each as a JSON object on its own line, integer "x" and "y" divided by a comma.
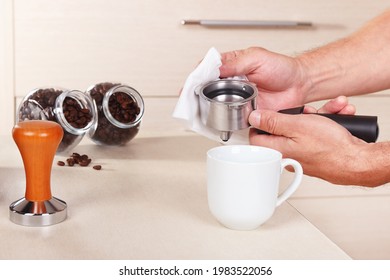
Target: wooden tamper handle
{"x": 37, "y": 141}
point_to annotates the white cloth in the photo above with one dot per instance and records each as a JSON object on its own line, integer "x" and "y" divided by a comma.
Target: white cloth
{"x": 187, "y": 107}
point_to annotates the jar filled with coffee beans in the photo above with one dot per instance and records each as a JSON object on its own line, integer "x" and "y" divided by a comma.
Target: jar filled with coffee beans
{"x": 72, "y": 109}
{"x": 120, "y": 109}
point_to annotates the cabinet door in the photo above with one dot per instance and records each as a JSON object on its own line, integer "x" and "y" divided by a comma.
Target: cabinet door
{"x": 73, "y": 44}
{"x": 142, "y": 43}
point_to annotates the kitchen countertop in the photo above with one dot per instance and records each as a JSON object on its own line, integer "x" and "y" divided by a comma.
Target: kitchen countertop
{"x": 149, "y": 201}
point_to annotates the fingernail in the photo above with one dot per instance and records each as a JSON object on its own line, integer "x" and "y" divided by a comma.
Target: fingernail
{"x": 254, "y": 118}
{"x": 341, "y": 99}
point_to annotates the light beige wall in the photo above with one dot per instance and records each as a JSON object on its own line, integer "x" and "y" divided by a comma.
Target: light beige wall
{"x": 6, "y": 67}
{"x": 73, "y": 44}
{"x": 142, "y": 43}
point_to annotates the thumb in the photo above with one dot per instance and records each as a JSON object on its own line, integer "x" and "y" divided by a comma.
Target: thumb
{"x": 272, "y": 122}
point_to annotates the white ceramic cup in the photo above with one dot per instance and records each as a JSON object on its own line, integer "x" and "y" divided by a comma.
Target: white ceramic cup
{"x": 243, "y": 184}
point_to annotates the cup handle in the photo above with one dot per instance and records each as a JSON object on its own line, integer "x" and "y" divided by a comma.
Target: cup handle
{"x": 295, "y": 183}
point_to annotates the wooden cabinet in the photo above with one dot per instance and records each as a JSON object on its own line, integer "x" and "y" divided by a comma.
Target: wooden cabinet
{"x": 73, "y": 44}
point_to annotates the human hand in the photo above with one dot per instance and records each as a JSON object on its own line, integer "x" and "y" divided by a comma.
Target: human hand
{"x": 279, "y": 78}
{"x": 324, "y": 148}
{"x": 337, "y": 105}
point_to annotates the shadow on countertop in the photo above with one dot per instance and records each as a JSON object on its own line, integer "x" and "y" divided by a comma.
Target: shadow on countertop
{"x": 164, "y": 148}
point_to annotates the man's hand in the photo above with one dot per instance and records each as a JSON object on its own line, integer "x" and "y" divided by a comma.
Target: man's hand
{"x": 324, "y": 148}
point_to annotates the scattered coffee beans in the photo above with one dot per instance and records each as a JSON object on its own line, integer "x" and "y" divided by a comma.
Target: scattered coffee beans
{"x": 122, "y": 107}
{"x": 82, "y": 160}
{"x": 40, "y": 105}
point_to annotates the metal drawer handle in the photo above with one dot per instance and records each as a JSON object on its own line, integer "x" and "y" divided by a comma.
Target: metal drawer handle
{"x": 246, "y": 23}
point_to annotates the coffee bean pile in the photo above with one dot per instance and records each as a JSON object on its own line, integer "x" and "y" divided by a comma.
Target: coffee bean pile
{"x": 82, "y": 160}
{"x": 75, "y": 115}
{"x": 122, "y": 107}
{"x": 40, "y": 105}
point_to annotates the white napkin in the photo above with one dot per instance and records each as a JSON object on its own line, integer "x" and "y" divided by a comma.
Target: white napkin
{"x": 187, "y": 107}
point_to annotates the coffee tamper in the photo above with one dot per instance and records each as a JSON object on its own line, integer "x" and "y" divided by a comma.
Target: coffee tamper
{"x": 37, "y": 141}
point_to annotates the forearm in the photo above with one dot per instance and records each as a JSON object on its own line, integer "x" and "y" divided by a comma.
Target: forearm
{"x": 372, "y": 165}
{"x": 355, "y": 65}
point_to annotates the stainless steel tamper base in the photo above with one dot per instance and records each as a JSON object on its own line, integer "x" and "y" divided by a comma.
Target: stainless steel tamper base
{"x": 24, "y": 212}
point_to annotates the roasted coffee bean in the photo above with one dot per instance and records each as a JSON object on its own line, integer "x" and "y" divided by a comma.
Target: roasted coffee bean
{"x": 97, "y": 167}
{"x": 60, "y": 163}
{"x": 123, "y": 109}
{"x": 70, "y": 161}
{"x": 85, "y": 162}
{"x": 76, "y": 158}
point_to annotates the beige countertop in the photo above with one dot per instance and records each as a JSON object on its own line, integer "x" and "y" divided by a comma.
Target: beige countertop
{"x": 149, "y": 201}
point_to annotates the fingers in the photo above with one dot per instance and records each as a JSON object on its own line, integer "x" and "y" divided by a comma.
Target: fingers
{"x": 231, "y": 64}
{"x": 338, "y": 105}
{"x": 280, "y": 126}
{"x": 273, "y": 122}
{"x": 239, "y": 62}
{"x": 225, "y": 57}
{"x": 309, "y": 110}
{"x": 348, "y": 110}
{"x": 269, "y": 141}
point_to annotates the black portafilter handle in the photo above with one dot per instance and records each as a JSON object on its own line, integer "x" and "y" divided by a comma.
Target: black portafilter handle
{"x": 363, "y": 127}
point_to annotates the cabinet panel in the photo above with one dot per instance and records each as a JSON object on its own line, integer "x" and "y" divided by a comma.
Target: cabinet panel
{"x": 142, "y": 43}
{"x": 6, "y": 67}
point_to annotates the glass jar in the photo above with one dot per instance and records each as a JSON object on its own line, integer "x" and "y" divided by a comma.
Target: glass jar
{"x": 120, "y": 109}
{"x": 72, "y": 109}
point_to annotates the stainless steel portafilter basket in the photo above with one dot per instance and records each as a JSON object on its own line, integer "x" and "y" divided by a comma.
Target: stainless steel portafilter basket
{"x": 225, "y": 105}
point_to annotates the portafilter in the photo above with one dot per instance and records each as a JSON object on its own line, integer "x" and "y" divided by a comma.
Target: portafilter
{"x": 225, "y": 105}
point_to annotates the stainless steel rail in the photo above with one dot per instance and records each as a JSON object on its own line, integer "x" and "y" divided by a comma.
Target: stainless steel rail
{"x": 246, "y": 23}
